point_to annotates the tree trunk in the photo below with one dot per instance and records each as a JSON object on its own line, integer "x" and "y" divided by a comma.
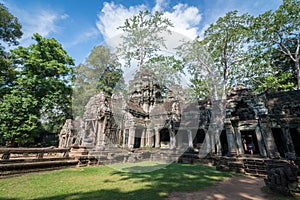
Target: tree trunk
{"x": 298, "y": 74}
{"x": 225, "y": 77}
{"x": 12, "y": 143}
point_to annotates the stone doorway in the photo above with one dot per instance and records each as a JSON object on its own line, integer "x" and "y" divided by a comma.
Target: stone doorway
{"x": 277, "y": 134}
{"x": 296, "y": 140}
{"x": 137, "y": 138}
{"x": 164, "y": 138}
{"x": 199, "y": 138}
{"x": 249, "y": 137}
{"x": 126, "y": 137}
{"x": 224, "y": 143}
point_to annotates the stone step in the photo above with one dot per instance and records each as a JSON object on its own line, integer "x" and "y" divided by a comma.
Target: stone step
{"x": 32, "y": 165}
{"x": 256, "y": 174}
{"x": 27, "y": 160}
{"x": 10, "y": 173}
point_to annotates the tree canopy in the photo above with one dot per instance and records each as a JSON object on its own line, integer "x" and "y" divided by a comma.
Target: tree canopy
{"x": 276, "y": 46}
{"x": 40, "y": 97}
{"x": 143, "y": 37}
{"x": 100, "y": 72}
{"x": 261, "y": 52}
{"x": 10, "y": 32}
{"x": 10, "y": 28}
{"x": 216, "y": 59}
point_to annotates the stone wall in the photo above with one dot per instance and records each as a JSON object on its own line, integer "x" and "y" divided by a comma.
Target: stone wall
{"x": 283, "y": 177}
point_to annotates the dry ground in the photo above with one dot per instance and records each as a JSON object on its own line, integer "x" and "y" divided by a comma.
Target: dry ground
{"x": 236, "y": 188}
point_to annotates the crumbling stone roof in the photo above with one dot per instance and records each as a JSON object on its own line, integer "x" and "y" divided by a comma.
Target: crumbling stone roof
{"x": 132, "y": 107}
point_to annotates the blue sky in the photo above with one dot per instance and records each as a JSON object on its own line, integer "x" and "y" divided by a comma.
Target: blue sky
{"x": 79, "y": 25}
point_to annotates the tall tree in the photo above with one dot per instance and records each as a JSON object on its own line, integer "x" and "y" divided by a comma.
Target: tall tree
{"x": 214, "y": 62}
{"x": 277, "y": 33}
{"x": 143, "y": 36}
{"x": 278, "y": 73}
{"x": 41, "y": 93}
{"x": 10, "y": 32}
{"x": 167, "y": 69}
{"x": 10, "y": 28}
{"x": 220, "y": 55}
{"x": 100, "y": 72}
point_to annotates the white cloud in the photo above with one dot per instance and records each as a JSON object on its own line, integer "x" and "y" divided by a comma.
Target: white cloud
{"x": 160, "y": 5}
{"x": 112, "y": 16}
{"x": 218, "y": 8}
{"x": 84, "y": 36}
{"x": 184, "y": 18}
{"x": 40, "y": 21}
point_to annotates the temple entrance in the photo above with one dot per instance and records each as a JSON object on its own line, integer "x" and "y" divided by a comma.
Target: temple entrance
{"x": 224, "y": 143}
{"x": 249, "y": 142}
{"x": 164, "y": 138}
{"x": 199, "y": 138}
{"x": 137, "y": 138}
{"x": 296, "y": 140}
{"x": 126, "y": 137}
{"x": 277, "y": 134}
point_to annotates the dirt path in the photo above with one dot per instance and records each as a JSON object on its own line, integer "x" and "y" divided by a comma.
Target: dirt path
{"x": 236, "y": 188}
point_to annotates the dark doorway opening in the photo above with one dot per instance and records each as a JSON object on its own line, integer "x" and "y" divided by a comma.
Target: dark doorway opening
{"x": 277, "y": 134}
{"x": 164, "y": 136}
{"x": 224, "y": 143}
{"x": 296, "y": 140}
{"x": 137, "y": 138}
{"x": 199, "y": 138}
{"x": 249, "y": 142}
{"x": 126, "y": 137}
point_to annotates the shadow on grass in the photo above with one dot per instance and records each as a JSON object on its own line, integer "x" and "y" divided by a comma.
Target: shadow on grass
{"x": 155, "y": 184}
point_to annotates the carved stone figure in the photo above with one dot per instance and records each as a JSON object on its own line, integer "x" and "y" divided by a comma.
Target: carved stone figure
{"x": 66, "y": 135}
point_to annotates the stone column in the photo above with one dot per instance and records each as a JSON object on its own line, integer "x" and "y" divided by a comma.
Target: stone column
{"x": 289, "y": 141}
{"x": 232, "y": 148}
{"x": 179, "y": 138}
{"x": 123, "y": 141}
{"x": 269, "y": 140}
{"x": 124, "y": 138}
{"x": 260, "y": 142}
{"x": 149, "y": 136}
{"x": 238, "y": 141}
{"x": 99, "y": 135}
{"x": 172, "y": 143}
{"x": 190, "y": 137}
{"x": 143, "y": 137}
{"x": 157, "y": 137}
{"x": 131, "y": 137}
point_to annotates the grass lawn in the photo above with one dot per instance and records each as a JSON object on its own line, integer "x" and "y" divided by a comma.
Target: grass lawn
{"x": 103, "y": 182}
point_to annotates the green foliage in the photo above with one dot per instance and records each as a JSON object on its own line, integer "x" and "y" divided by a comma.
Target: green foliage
{"x": 10, "y": 31}
{"x": 276, "y": 37}
{"x": 41, "y": 92}
{"x": 101, "y": 72}
{"x": 18, "y": 117}
{"x": 216, "y": 60}
{"x": 10, "y": 28}
{"x": 143, "y": 37}
{"x": 167, "y": 69}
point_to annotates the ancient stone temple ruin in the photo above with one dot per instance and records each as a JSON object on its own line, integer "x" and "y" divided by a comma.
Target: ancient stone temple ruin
{"x": 258, "y": 134}
{"x": 147, "y": 119}
{"x": 151, "y": 116}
